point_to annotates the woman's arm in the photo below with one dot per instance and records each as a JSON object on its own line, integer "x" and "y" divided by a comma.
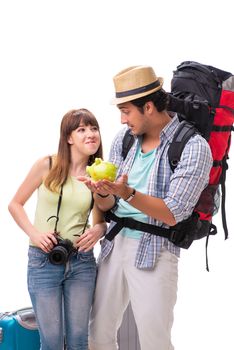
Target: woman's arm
{"x": 103, "y": 199}
{"x": 16, "y": 206}
{"x": 92, "y": 235}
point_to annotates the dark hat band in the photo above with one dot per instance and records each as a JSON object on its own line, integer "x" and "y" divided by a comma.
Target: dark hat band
{"x": 138, "y": 90}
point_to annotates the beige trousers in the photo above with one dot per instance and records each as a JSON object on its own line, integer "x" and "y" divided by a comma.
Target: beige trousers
{"x": 152, "y": 294}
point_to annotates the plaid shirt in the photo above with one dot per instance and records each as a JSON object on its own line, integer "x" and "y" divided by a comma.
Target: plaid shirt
{"x": 180, "y": 189}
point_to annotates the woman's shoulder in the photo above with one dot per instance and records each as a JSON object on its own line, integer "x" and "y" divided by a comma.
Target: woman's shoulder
{"x": 44, "y": 164}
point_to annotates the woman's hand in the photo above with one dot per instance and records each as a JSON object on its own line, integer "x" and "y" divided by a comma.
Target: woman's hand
{"x": 44, "y": 240}
{"x": 90, "y": 237}
{"x": 94, "y": 186}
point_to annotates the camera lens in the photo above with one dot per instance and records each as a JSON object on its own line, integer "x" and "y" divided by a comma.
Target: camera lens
{"x": 58, "y": 255}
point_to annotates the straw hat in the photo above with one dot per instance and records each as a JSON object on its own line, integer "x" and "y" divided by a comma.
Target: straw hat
{"x": 135, "y": 82}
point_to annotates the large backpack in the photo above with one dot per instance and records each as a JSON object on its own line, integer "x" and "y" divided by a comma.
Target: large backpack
{"x": 203, "y": 97}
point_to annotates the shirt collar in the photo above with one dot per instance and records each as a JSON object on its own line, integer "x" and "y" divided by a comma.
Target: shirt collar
{"x": 169, "y": 130}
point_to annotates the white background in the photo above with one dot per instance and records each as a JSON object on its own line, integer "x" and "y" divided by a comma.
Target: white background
{"x": 57, "y": 55}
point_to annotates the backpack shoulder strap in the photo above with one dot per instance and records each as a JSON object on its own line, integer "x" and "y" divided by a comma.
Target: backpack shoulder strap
{"x": 128, "y": 141}
{"x": 181, "y": 137}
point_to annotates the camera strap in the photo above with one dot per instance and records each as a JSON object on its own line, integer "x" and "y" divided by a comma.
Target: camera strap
{"x": 87, "y": 219}
{"x": 59, "y": 205}
{"x": 59, "y": 202}
{"x": 58, "y": 209}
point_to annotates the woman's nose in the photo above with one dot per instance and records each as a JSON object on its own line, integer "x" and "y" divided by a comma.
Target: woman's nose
{"x": 90, "y": 133}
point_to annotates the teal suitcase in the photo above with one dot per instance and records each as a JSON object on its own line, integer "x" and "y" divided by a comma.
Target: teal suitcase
{"x": 18, "y": 330}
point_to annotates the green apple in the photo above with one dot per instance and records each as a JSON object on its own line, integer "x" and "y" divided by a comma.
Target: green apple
{"x": 101, "y": 170}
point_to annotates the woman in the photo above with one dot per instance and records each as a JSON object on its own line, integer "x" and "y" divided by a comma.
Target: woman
{"x": 61, "y": 266}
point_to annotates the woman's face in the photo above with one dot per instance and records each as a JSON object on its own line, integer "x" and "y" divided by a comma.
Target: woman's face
{"x": 85, "y": 139}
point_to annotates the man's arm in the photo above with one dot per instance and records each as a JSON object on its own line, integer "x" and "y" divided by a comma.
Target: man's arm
{"x": 149, "y": 205}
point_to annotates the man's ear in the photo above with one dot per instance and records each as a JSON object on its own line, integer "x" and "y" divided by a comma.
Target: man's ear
{"x": 148, "y": 107}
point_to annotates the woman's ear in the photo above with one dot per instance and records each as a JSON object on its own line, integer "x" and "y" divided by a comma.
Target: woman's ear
{"x": 69, "y": 140}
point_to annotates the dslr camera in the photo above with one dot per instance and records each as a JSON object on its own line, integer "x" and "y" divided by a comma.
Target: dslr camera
{"x": 62, "y": 250}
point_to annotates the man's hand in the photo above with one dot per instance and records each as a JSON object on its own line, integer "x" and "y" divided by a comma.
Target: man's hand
{"x": 118, "y": 188}
{"x": 94, "y": 186}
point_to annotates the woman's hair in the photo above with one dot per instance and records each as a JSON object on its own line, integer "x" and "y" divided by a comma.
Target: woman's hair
{"x": 61, "y": 162}
{"x": 159, "y": 98}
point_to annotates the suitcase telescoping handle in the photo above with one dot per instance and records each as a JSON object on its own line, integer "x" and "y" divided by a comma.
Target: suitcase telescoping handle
{"x": 1, "y": 335}
{"x": 24, "y": 316}
{"x": 15, "y": 312}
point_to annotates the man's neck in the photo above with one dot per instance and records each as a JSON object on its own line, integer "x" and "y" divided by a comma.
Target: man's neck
{"x": 151, "y": 139}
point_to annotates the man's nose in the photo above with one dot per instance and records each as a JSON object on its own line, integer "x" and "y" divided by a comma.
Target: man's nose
{"x": 123, "y": 119}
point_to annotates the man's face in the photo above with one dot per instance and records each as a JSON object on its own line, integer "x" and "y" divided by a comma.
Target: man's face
{"x": 135, "y": 120}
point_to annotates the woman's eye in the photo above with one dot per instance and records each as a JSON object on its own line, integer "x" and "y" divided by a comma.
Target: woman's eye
{"x": 81, "y": 129}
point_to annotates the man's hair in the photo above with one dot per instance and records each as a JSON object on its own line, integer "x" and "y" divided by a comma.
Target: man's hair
{"x": 159, "y": 98}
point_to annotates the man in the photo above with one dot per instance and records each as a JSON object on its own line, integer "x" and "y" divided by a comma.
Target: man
{"x": 137, "y": 266}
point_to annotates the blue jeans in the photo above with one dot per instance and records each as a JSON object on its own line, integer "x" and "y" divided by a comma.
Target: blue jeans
{"x": 62, "y": 296}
